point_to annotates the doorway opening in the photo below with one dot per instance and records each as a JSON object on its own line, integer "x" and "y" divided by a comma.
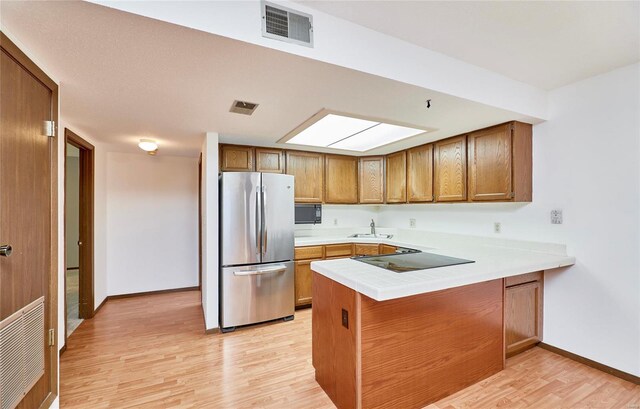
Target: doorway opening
{"x": 79, "y": 171}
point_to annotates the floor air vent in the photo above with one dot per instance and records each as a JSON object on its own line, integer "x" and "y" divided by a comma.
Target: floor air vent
{"x": 282, "y": 23}
{"x": 21, "y": 353}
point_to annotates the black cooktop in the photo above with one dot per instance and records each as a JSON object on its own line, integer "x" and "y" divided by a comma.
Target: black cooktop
{"x": 401, "y": 263}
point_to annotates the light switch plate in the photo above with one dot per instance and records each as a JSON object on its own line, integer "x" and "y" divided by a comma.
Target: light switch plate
{"x": 556, "y": 216}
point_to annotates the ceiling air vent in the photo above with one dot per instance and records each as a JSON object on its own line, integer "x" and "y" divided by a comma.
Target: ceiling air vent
{"x": 284, "y": 24}
{"x": 243, "y": 107}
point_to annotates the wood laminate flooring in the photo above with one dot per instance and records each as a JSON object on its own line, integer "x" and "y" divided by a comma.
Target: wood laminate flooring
{"x": 151, "y": 352}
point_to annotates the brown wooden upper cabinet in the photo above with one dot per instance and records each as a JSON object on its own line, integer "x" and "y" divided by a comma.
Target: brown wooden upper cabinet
{"x": 420, "y": 174}
{"x": 269, "y": 160}
{"x": 235, "y": 158}
{"x": 396, "y": 191}
{"x": 500, "y": 163}
{"x": 308, "y": 171}
{"x": 450, "y": 169}
{"x": 341, "y": 176}
{"x": 371, "y": 180}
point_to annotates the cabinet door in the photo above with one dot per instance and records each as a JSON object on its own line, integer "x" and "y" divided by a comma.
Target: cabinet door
{"x": 420, "y": 174}
{"x": 338, "y": 250}
{"x": 308, "y": 171}
{"x": 450, "y": 164}
{"x": 269, "y": 160}
{"x": 523, "y": 317}
{"x": 235, "y": 158}
{"x": 303, "y": 288}
{"x": 397, "y": 177}
{"x": 366, "y": 250}
{"x": 371, "y": 181}
{"x": 387, "y": 249}
{"x": 341, "y": 179}
{"x": 489, "y": 159}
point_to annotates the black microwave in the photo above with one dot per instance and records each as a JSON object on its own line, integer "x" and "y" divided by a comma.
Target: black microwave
{"x": 308, "y": 214}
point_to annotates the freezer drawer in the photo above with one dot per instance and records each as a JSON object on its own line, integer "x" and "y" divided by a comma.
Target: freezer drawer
{"x": 256, "y": 293}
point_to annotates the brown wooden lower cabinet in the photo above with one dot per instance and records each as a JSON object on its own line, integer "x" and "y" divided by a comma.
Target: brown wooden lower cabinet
{"x": 523, "y": 312}
{"x": 362, "y": 249}
{"x": 387, "y": 249}
{"x": 303, "y": 286}
{"x": 407, "y": 352}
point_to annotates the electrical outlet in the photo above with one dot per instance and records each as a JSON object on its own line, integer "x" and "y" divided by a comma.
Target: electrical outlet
{"x": 497, "y": 227}
{"x": 335, "y": 222}
{"x": 412, "y": 223}
{"x": 556, "y": 216}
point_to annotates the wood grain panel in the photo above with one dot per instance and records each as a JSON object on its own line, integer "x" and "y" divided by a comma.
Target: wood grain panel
{"x": 450, "y": 169}
{"x": 523, "y": 278}
{"x": 338, "y": 250}
{"x": 442, "y": 342}
{"x": 366, "y": 249}
{"x": 371, "y": 179}
{"x": 387, "y": 249}
{"x": 341, "y": 179}
{"x": 420, "y": 174}
{"x": 269, "y": 160}
{"x": 308, "y": 171}
{"x": 523, "y": 317}
{"x": 335, "y": 347}
{"x": 396, "y": 178}
{"x": 308, "y": 252}
{"x": 489, "y": 160}
{"x": 522, "y": 162}
{"x": 236, "y": 158}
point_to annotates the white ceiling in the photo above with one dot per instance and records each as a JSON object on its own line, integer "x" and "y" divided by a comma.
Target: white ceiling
{"x": 546, "y": 44}
{"x": 125, "y": 77}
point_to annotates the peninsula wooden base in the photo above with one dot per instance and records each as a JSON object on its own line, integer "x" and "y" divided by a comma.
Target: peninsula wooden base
{"x": 408, "y": 352}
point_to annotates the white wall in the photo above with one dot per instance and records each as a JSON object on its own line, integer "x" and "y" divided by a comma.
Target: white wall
{"x": 152, "y": 222}
{"x": 587, "y": 163}
{"x": 210, "y": 230}
{"x": 343, "y": 216}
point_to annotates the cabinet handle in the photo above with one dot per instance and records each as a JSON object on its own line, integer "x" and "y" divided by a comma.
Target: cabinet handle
{"x": 5, "y": 250}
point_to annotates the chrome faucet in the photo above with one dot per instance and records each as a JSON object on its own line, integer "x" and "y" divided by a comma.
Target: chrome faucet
{"x": 373, "y": 227}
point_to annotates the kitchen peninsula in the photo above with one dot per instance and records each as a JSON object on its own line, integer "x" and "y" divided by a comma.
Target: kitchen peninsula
{"x": 385, "y": 339}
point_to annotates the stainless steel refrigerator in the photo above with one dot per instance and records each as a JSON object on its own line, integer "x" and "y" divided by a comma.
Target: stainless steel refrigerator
{"x": 256, "y": 248}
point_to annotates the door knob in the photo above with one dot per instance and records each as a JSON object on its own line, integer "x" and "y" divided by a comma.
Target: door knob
{"x": 5, "y": 250}
{"x": 79, "y": 243}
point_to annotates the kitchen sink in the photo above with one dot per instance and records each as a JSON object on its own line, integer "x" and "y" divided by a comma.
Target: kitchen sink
{"x": 372, "y": 236}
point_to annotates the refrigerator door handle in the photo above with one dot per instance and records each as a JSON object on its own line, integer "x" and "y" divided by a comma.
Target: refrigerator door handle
{"x": 258, "y": 222}
{"x": 264, "y": 220}
{"x": 271, "y": 270}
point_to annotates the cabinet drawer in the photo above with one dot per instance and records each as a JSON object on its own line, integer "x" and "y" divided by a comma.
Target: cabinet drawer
{"x": 387, "y": 249}
{"x": 522, "y": 279}
{"x": 366, "y": 250}
{"x": 309, "y": 252}
{"x": 338, "y": 250}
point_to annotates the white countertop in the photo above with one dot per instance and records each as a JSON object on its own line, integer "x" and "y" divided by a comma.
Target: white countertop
{"x": 493, "y": 259}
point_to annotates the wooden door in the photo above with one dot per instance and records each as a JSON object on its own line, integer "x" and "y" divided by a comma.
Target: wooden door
{"x": 397, "y": 177}
{"x": 308, "y": 171}
{"x": 269, "y": 160}
{"x": 450, "y": 164}
{"x": 420, "y": 174}
{"x": 489, "y": 158}
{"x": 371, "y": 179}
{"x": 28, "y": 208}
{"x": 235, "y": 158}
{"x": 303, "y": 288}
{"x": 522, "y": 317}
{"x": 341, "y": 179}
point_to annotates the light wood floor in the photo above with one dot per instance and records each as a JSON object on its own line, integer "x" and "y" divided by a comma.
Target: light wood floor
{"x": 151, "y": 352}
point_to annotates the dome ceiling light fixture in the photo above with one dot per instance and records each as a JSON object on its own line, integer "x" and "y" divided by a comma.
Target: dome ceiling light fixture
{"x": 148, "y": 145}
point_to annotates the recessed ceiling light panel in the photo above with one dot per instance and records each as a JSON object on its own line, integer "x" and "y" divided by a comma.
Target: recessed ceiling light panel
{"x": 332, "y": 130}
